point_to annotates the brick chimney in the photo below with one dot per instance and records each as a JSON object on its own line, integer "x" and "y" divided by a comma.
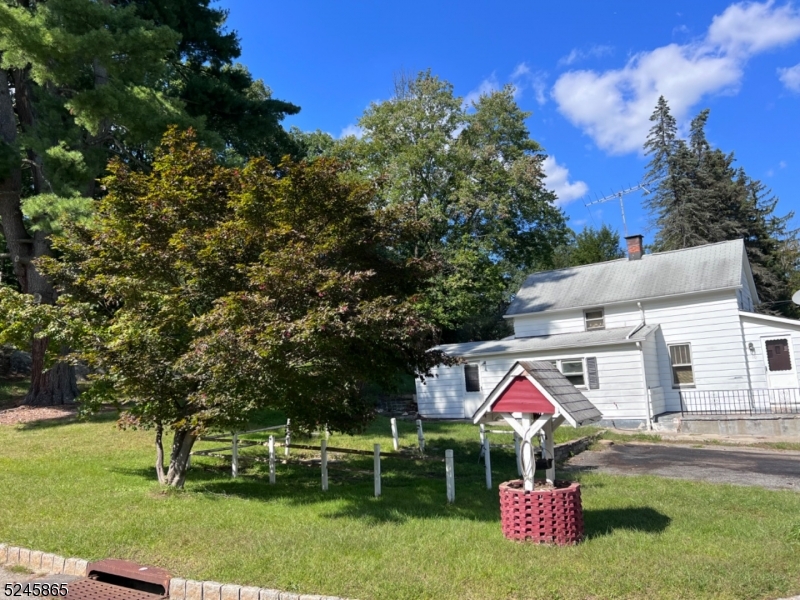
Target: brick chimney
{"x": 634, "y": 247}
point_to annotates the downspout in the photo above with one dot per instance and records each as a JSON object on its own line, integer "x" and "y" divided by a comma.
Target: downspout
{"x": 646, "y": 388}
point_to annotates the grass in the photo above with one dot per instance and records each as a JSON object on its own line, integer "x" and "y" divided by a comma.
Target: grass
{"x": 87, "y": 489}
{"x": 18, "y": 570}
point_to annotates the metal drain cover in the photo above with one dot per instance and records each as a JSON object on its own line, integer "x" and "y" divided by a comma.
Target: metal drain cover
{"x": 90, "y": 589}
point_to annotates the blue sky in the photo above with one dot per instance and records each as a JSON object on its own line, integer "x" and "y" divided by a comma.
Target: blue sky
{"x": 590, "y": 72}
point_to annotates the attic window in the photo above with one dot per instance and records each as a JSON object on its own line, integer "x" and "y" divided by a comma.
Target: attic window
{"x": 594, "y": 319}
{"x": 472, "y": 378}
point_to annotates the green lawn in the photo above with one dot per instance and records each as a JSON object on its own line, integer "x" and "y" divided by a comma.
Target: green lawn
{"x": 87, "y": 489}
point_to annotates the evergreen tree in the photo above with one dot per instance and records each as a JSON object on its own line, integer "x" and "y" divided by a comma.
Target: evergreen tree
{"x": 82, "y": 81}
{"x": 700, "y": 197}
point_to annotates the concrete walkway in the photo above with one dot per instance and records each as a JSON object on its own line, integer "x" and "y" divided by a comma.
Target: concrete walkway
{"x": 772, "y": 469}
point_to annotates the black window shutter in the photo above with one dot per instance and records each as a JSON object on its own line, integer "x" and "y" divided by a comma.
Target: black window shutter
{"x": 591, "y": 368}
{"x": 472, "y": 378}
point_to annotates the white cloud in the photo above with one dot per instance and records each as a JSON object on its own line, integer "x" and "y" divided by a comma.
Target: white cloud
{"x": 486, "y": 87}
{"x": 748, "y": 28}
{"x": 576, "y": 54}
{"x": 557, "y": 179}
{"x": 521, "y": 70}
{"x": 352, "y": 130}
{"x": 790, "y": 77}
{"x": 613, "y": 107}
{"x": 523, "y": 77}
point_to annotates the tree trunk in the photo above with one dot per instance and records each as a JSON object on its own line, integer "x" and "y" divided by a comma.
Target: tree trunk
{"x": 179, "y": 457}
{"x": 57, "y": 385}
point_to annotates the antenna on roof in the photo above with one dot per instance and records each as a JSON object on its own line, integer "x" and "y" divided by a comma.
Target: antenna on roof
{"x": 618, "y": 196}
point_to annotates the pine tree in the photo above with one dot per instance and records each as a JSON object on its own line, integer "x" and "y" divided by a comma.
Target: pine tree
{"x": 83, "y": 81}
{"x": 700, "y": 197}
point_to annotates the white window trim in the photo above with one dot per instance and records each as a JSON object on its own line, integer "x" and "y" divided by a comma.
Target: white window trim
{"x": 560, "y": 361}
{"x": 778, "y": 336}
{"x": 682, "y": 386}
{"x": 586, "y": 319}
{"x": 464, "y": 378}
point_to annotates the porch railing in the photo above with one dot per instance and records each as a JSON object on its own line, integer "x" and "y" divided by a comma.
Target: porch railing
{"x": 740, "y": 402}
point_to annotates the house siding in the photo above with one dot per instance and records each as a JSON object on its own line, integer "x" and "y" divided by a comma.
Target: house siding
{"x": 620, "y": 394}
{"x": 754, "y": 330}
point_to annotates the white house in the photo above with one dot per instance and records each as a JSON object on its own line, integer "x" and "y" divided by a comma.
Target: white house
{"x": 640, "y": 337}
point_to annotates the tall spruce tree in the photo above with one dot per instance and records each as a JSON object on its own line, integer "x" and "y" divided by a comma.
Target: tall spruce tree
{"x": 700, "y": 197}
{"x": 83, "y": 81}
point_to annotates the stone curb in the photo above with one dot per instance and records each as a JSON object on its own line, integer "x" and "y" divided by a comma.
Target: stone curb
{"x": 179, "y": 589}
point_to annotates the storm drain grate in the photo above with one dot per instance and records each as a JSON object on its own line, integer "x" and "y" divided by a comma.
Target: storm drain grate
{"x": 114, "y": 579}
{"x": 91, "y": 589}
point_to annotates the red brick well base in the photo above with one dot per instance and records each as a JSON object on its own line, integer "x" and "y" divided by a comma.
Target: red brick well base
{"x": 544, "y": 516}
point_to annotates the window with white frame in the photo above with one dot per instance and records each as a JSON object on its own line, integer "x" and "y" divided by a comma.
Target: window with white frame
{"x": 594, "y": 319}
{"x": 680, "y": 356}
{"x": 572, "y": 369}
{"x": 472, "y": 378}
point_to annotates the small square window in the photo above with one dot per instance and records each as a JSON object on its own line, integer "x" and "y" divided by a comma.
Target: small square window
{"x": 472, "y": 378}
{"x": 594, "y": 319}
{"x": 681, "y": 360}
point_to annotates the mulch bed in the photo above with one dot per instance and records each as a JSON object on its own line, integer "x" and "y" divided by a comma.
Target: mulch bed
{"x": 28, "y": 414}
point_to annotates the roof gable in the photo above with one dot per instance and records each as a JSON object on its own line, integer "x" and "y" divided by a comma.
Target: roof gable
{"x": 691, "y": 270}
{"x": 548, "y": 389}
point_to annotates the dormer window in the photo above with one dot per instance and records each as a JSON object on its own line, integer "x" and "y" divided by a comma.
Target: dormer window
{"x": 594, "y": 319}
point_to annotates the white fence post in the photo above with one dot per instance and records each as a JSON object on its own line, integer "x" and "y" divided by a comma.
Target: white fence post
{"x": 483, "y": 433}
{"x": 516, "y": 451}
{"x": 288, "y": 439}
{"x": 449, "y": 474}
{"x": 272, "y": 459}
{"x": 235, "y": 455}
{"x": 395, "y": 441}
{"x": 420, "y": 437}
{"x": 377, "y": 470}
{"x": 324, "y": 461}
{"x": 488, "y": 462}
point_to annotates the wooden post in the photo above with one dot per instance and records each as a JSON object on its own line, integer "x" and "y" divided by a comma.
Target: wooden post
{"x": 516, "y": 452}
{"x": 450, "y": 476}
{"x": 549, "y": 450}
{"x": 420, "y": 437}
{"x": 272, "y": 459}
{"x": 288, "y": 439}
{"x": 377, "y": 470}
{"x": 395, "y": 441}
{"x": 488, "y": 462}
{"x": 324, "y": 456}
{"x": 235, "y": 455}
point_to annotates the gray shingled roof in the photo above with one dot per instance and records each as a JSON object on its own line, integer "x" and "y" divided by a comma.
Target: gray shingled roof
{"x": 567, "y": 395}
{"x": 580, "y": 339}
{"x": 702, "y": 268}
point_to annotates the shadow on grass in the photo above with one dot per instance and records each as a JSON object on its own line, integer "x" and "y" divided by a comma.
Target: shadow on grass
{"x": 605, "y": 521}
{"x": 105, "y": 416}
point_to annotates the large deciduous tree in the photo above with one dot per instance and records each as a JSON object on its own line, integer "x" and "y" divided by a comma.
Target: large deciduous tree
{"x": 469, "y": 181}
{"x": 700, "y": 197}
{"x": 202, "y": 292}
{"x": 82, "y": 81}
{"x": 589, "y": 246}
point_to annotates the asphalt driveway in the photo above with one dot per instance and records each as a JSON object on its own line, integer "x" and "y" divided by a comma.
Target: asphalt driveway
{"x": 739, "y": 466}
